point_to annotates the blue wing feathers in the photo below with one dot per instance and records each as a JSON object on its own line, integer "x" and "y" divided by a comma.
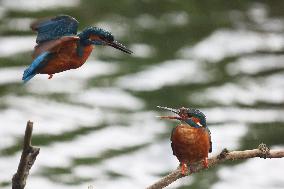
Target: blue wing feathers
{"x": 36, "y": 65}
{"x": 55, "y": 28}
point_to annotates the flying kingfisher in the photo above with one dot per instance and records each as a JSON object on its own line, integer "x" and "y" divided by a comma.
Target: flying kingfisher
{"x": 191, "y": 140}
{"x": 60, "y": 48}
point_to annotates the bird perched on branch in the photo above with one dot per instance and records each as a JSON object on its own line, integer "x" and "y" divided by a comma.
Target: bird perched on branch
{"x": 60, "y": 48}
{"x": 191, "y": 140}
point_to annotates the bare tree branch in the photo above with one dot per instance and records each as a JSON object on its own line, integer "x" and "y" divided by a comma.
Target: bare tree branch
{"x": 262, "y": 151}
{"x": 28, "y": 158}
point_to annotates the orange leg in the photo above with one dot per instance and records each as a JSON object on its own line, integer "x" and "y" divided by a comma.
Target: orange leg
{"x": 50, "y": 76}
{"x": 184, "y": 168}
{"x": 205, "y": 163}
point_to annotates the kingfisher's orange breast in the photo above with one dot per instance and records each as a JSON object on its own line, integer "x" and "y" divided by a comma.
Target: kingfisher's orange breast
{"x": 65, "y": 58}
{"x": 190, "y": 144}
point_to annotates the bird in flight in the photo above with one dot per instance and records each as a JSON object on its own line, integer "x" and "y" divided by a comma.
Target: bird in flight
{"x": 60, "y": 48}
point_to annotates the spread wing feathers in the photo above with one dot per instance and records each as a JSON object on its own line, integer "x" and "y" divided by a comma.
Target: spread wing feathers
{"x": 36, "y": 65}
{"x": 53, "y": 45}
{"x": 55, "y": 28}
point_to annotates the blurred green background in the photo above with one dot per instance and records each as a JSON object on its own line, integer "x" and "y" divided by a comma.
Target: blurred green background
{"x": 96, "y": 125}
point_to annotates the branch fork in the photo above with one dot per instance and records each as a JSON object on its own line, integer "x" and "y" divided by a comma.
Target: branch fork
{"x": 27, "y": 160}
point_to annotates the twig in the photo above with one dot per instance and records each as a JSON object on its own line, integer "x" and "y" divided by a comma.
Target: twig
{"x": 28, "y": 158}
{"x": 262, "y": 151}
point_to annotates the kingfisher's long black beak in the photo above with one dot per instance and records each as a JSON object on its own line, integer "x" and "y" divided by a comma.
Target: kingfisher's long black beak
{"x": 119, "y": 46}
{"x": 176, "y": 111}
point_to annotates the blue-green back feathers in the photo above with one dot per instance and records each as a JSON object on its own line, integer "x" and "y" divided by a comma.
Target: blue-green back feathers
{"x": 55, "y": 28}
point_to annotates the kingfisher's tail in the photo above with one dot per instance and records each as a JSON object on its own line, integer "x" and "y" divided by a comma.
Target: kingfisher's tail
{"x": 36, "y": 65}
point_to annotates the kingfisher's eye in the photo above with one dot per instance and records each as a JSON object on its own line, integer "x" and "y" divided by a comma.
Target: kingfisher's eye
{"x": 110, "y": 37}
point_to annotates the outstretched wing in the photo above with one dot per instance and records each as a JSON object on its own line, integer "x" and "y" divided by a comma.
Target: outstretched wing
{"x": 55, "y": 28}
{"x": 53, "y": 45}
{"x": 44, "y": 52}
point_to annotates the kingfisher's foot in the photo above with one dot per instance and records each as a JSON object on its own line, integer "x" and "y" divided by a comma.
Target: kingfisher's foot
{"x": 205, "y": 163}
{"x": 184, "y": 169}
{"x": 50, "y": 76}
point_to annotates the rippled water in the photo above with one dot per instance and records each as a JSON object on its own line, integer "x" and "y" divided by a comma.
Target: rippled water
{"x": 96, "y": 125}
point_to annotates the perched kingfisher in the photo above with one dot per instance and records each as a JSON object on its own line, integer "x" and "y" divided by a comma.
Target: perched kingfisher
{"x": 191, "y": 140}
{"x": 60, "y": 48}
